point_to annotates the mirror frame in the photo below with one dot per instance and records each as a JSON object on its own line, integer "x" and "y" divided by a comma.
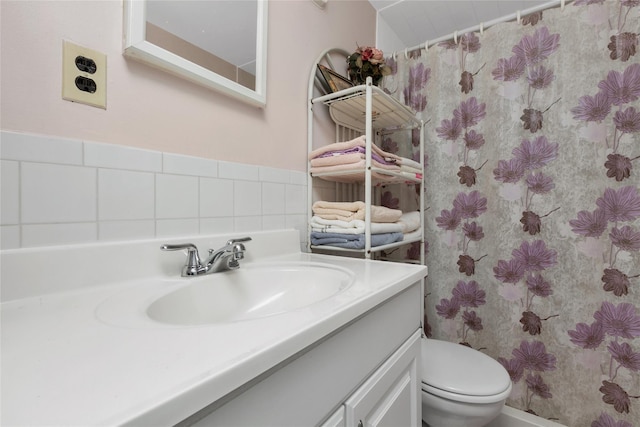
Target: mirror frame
{"x": 136, "y": 47}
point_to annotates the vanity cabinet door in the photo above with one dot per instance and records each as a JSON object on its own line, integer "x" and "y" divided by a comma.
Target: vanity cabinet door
{"x": 391, "y": 396}
{"x": 336, "y": 420}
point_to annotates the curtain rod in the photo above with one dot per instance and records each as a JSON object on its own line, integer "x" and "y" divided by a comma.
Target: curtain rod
{"x": 483, "y": 26}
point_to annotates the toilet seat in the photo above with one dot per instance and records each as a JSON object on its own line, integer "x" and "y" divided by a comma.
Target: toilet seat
{"x": 453, "y": 371}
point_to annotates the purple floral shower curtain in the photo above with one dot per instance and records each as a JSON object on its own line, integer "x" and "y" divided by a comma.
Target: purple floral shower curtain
{"x": 533, "y": 203}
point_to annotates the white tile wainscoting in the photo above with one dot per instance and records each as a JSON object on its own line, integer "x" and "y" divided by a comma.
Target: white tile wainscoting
{"x": 57, "y": 191}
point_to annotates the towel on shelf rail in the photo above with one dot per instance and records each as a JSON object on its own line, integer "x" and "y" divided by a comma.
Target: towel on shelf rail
{"x": 353, "y": 241}
{"x": 348, "y": 211}
{"x": 355, "y": 226}
{"x": 348, "y": 155}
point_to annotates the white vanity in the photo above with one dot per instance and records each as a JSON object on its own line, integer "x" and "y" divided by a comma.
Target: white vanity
{"x": 80, "y": 348}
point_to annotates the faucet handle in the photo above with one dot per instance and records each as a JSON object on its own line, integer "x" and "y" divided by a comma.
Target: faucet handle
{"x": 239, "y": 240}
{"x": 193, "y": 264}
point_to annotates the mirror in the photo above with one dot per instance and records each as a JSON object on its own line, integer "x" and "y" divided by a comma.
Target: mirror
{"x": 218, "y": 44}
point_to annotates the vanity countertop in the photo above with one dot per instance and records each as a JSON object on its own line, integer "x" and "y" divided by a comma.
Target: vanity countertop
{"x": 64, "y": 364}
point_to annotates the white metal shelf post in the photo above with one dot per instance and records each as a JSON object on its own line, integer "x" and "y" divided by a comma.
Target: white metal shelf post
{"x": 367, "y": 175}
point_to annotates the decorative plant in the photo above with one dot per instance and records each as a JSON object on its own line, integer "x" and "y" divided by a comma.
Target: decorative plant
{"x": 367, "y": 62}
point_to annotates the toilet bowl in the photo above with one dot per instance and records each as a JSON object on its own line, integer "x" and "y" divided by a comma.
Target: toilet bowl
{"x": 461, "y": 387}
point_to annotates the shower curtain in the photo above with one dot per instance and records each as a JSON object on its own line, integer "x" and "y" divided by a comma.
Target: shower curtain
{"x": 532, "y": 210}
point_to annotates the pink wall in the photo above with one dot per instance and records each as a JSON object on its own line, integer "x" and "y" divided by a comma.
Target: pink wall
{"x": 147, "y": 108}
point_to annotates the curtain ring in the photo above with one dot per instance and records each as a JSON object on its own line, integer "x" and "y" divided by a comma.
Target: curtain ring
{"x": 518, "y": 16}
{"x": 481, "y": 28}
{"x": 455, "y": 37}
{"x": 562, "y": 4}
{"x": 406, "y": 54}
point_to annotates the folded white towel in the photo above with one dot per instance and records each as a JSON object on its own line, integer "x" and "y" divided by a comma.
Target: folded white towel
{"x": 416, "y": 234}
{"x": 355, "y": 226}
{"x": 410, "y": 221}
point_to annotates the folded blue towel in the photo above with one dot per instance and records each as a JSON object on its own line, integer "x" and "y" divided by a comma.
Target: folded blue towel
{"x": 322, "y": 238}
{"x": 353, "y": 241}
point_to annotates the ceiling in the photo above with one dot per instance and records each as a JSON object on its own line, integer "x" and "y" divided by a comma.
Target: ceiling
{"x": 416, "y": 21}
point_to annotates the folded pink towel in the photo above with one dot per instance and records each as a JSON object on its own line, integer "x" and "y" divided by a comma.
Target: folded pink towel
{"x": 356, "y": 142}
{"x": 342, "y": 159}
{"x": 337, "y": 165}
{"x": 355, "y": 176}
{"x": 409, "y": 163}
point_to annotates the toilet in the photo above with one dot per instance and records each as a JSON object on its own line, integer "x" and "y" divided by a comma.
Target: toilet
{"x": 461, "y": 387}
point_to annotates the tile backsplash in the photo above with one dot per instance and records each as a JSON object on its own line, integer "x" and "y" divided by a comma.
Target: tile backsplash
{"x": 57, "y": 191}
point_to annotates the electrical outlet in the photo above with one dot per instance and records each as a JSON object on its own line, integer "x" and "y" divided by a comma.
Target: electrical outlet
{"x": 84, "y": 75}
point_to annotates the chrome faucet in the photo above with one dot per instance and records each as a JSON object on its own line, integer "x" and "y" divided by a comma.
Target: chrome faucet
{"x": 225, "y": 258}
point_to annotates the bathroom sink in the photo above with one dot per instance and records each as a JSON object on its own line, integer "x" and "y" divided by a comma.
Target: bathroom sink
{"x": 250, "y": 292}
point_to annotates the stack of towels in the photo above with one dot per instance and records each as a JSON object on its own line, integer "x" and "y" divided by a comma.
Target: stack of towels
{"x": 341, "y": 224}
{"x": 350, "y": 155}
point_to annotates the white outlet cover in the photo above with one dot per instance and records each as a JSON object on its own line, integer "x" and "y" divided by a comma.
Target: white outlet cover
{"x": 70, "y": 72}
